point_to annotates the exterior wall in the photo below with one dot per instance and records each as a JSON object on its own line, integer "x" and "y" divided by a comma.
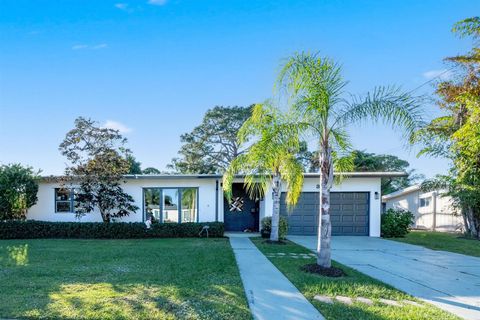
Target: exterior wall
{"x": 370, "y": 185}
{"x": 445, "y": 217}
{"x": 45, "y": 208}
{"x": 207, "y": 203}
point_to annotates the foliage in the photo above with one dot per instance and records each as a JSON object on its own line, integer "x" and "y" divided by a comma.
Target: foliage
{"x": 18, "y": 191}
{"x": 396, "y": 223}
{"x": 282, "y": 226}
{"x": 270, "y": 158}
{"x": 456, "y": 134}
{"x": 151, "y": 170}
{"x": 315, "y": 90}
{"x": 135, "y": 167}
{"x": 141, "y": 279}
{"x": 371, "y": 162}
{"x": 365, "y": 161}
{"x": 98, "y": 158}
{"x": 354, "y": 285}
{"x": 96, "y": 230}
{"x": 212, "y": 145}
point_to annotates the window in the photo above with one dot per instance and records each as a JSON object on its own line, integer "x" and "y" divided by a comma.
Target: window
{"x": 151, "y": 203}
{"x": 425, "y": 202}
{"x": 189, "y": 205}
{"x": 171, "y": 205}
{"x": 64, "y": 200}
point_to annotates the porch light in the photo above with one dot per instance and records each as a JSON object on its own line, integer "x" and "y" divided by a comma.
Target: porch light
{"x": 377, "y": 195}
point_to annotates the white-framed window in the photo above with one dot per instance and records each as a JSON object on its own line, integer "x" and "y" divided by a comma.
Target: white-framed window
{"x": 64, "y": 200}
{"x": 171, "y": 204}
{"x": 425, "y": 202}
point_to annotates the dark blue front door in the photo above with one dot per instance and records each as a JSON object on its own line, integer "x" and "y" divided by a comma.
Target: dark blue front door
{"x": 241, "y": 213}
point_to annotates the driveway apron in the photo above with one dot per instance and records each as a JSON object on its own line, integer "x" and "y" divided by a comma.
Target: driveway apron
{"x": 447, "y": 280}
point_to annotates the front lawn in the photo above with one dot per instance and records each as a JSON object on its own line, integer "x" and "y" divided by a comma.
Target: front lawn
{"x": 453, "y": 242}
{"x": 120, "y": 279}
{"x": 354, "y": 285}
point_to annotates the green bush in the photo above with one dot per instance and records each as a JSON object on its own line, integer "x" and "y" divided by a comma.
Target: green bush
{"x": 282, "y": 229}
{"x": 99, "y": 230}
{"x": 396, "y": 223}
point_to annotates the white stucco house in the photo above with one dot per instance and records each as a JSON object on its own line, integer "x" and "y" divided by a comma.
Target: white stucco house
{"x": 432, "y": 211}
{"x": 355, "y": 203}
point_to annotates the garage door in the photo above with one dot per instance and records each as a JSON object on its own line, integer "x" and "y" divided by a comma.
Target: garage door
{"x": 348, "y": 212}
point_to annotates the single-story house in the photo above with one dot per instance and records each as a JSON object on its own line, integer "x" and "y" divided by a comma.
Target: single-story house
{"x": 431, "y": 209}
{"x": 355, "y": 202}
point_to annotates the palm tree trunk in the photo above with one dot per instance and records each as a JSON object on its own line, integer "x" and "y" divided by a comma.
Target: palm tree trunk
{"x": 324, "y": 225}
{"x": 276, "y": 189}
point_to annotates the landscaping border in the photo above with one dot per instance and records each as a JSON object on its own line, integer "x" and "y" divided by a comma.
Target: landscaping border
{"x": 99, "y": 230}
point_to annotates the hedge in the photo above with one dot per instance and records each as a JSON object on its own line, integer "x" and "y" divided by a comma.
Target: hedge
{"x": 396, "y": 223}
{"x": 99, "y": 230}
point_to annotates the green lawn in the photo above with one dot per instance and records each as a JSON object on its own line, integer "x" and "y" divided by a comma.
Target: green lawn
{"x": 452, "y": 242}
{"x": 355, "y": 284}
{"x": 120, "y": 279}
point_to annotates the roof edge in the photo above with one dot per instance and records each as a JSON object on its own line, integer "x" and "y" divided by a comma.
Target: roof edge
{"x": 53, "y": 178}
{"x": 401, "y": 192}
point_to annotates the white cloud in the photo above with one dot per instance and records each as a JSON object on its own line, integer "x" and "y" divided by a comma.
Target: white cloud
{"x": 121, "y": 6}
{"x": 115, "y": 125}
{"x": 79, "y": 47}
{"x": 442, "y": 74}
{"x": 99, "y": 46}
{"x": 157, "y": 2}
{"x": 91, "y": 47}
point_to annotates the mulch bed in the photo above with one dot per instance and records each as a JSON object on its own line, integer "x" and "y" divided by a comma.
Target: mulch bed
{"x": 327, "y": 272}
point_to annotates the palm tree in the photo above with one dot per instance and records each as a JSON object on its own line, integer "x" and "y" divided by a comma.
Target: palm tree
{"x": 269, "y": 160}
{"x": 315, "y": 90}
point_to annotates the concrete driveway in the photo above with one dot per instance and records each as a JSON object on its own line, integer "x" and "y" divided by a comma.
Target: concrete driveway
{"x": 448, "y": 280}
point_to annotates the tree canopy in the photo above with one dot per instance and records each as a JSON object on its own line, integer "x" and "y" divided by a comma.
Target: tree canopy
{"x": 315, "y": 90}
{"x": 364, "y": 161}
{"x": 212, "y": 145}
{"x": 456, "y": 134}
{"x": 98, "y": 160}
{"x": 18, "y": 191}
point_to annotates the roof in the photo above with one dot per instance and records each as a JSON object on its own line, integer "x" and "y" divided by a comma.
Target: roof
{"x": 219, "y": 176}
{"x": 401, "y": 192}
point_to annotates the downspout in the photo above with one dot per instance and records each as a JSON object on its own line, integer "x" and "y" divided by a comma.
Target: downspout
{"x": 216, "y": 200}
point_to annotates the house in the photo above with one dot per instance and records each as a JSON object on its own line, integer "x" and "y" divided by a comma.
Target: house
{"x": 432, "y": 211}
{"x": 355, "y": 202}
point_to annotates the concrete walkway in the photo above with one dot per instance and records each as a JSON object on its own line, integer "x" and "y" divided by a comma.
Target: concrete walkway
{"x": 271, "y": 296}
{"x": 448, "y": 280}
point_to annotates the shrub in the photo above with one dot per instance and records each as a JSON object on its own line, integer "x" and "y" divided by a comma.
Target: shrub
{"x": 18, "y": 191}
{"x": 267, "y": 227}
{"x": 99, "y": 230}
{"x": 396, "y": 223}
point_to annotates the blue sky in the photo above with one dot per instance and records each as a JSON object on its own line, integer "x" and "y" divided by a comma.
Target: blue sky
{"x": 153, "y": 68}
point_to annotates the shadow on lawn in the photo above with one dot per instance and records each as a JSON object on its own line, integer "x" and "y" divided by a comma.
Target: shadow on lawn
{"x": 166, "y": 284}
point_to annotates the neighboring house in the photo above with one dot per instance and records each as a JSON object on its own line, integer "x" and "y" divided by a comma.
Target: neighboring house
{"x": 432, "y": 211}
{"x": 355, "y": 203}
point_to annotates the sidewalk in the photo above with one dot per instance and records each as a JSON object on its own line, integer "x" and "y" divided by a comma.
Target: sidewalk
{"x": 271, "y": 296}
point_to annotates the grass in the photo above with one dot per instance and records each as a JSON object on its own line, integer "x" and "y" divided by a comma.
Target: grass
{"x": 355, "y": 284}
{"x": 120, "y": 279}
{"x": 453, "y": 242}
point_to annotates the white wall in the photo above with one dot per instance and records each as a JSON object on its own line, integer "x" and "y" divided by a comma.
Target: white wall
{"x": 445, "y": 216}
{"x": 370, "y": 185}
{"x": 45, "y": 207}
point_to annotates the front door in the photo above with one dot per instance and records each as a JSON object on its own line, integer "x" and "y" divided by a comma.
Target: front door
{"x": 241, "y": 213}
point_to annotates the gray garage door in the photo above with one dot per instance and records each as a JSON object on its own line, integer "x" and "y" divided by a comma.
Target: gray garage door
{"x": 348, "y": 212}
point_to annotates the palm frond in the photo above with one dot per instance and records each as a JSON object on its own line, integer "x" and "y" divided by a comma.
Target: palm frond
{"x": 387, "y": 104}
